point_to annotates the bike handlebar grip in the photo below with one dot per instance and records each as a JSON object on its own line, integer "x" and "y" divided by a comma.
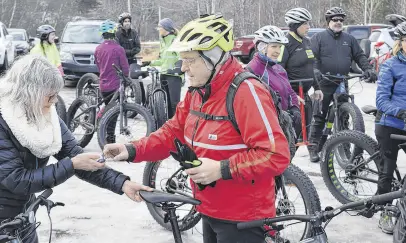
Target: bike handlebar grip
{"x": 251, "y": 224}
{"x": 115, "y": 67}
{"x": 398, "y": 137}
{"x": 46, "y": 193}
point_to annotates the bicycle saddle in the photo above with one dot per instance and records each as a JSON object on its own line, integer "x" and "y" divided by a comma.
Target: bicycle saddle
{"x": 162, "y": 197}
{"x": 139, "y": 74}
{"x": 369, "y": 109}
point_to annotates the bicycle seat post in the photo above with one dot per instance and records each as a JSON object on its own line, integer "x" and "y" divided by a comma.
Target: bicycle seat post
{"x": 170, "y": 215}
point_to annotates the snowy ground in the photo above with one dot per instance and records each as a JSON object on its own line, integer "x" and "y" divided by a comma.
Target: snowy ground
{"x": 95, "y": 215}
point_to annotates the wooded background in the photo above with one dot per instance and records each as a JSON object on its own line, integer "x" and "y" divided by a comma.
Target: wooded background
{"x": 248, "y": 15}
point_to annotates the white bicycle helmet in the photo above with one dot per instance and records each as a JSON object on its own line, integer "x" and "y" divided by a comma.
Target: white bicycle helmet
{"x": 400, "y": 30}
{"x": 270, "y": 34}
{"x": 297, "y": 16}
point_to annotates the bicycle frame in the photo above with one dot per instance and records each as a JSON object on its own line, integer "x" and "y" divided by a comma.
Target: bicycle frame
{"x": 371, "y": 206}
{"x": 157, "y": 87}
{"x": 385, "y": 56}
{"x": 332, "y": 113}
{"x": 304, "y": 142}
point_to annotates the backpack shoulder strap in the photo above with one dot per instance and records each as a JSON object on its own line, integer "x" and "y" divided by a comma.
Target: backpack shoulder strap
{"x": 232, "y": 91}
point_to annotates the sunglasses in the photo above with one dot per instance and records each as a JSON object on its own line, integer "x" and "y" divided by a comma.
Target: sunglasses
{"x": 337, "y": 20}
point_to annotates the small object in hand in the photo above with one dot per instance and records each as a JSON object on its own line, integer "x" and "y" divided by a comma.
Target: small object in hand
{"x": 102, "y": 159}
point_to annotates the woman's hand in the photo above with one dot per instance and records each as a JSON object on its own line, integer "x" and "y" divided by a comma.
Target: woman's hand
{"x": 87, "y": 161}
{"x": 132, "y": 190}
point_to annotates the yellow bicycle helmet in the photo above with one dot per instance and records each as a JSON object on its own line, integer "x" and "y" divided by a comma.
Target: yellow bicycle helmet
{"x": 204, "y": 34}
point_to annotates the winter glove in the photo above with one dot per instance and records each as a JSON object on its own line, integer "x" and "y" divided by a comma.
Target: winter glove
{"x": 188, "y": 159}
{"x": 371, "y": 75}
{"x": 294, "y": 113}
{"x": 401, "y": 115}
{"x": 144, "y": 64}
{"x": 318, "y": 75}
{"x": 318, "y": 95}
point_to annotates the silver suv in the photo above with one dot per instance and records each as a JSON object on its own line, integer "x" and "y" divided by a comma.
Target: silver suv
{"x": 77, "y": 46}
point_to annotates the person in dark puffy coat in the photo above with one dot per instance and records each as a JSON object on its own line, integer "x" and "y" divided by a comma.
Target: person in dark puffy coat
{"x": 31, "y": 132}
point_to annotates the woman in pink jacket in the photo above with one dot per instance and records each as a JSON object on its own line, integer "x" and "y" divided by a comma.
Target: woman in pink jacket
{"x": 268, "y": 41}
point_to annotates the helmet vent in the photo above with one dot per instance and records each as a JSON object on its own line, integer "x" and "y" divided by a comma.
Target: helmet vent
{"x": 185, "y": 34}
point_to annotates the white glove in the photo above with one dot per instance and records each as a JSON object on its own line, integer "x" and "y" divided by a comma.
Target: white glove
{"x": 318, "y": 95}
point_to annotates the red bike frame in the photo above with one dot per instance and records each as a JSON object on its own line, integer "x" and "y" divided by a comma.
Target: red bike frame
{"x": 304, "y": 142}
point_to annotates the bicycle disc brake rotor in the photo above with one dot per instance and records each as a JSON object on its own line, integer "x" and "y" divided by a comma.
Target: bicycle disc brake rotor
{"x": 285, "y": 207}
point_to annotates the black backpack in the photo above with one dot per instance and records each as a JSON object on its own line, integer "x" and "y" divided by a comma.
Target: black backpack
{"x": 285, "y": 121}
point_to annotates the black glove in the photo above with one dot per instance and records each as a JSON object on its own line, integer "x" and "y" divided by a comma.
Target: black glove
{"x": 401, "y": 115}
{"x": 144, "y": 64}
{"x": 371, "y": 75}
{"x": 295, "y": 114}
{"x": 318, "y": 76}
{"x": 188, "y": 159}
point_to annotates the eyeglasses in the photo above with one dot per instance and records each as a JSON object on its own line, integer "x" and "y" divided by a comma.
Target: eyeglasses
{"x": 337, "y": 20}
{"x": 189, "y": 61}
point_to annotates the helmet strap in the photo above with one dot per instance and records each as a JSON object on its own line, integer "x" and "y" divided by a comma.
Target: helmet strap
{"x": 207, "y": 86}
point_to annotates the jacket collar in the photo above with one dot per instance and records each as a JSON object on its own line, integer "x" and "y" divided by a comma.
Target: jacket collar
{"x": 226, "y": 74}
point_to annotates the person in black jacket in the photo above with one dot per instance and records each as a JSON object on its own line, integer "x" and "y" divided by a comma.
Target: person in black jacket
{"x": 31, "y": 132}
{"x": 128, "y": 37}
{"x": 334, "y": 51}
{"x": 298, "y": 60}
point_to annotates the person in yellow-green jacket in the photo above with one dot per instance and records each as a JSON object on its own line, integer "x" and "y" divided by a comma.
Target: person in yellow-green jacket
{"x": 47, "y": 47}
{"x": 171, "y": 75}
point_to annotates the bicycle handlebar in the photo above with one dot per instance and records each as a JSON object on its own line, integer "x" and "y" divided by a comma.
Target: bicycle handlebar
{"x": 117, "y": 69}
{"x": 398, "y": 137}
{"x": 344, "y": 77}
{"x": 23, "y": 218}
{"x": 324, "y": 215}
{"x": 305, "y": 80}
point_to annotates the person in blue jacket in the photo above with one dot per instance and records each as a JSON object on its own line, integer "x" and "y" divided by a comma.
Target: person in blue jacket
{"x": 391, "y": 116}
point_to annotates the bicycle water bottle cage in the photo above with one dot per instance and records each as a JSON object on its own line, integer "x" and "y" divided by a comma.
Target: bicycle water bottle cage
{"x": 187, "y": 159}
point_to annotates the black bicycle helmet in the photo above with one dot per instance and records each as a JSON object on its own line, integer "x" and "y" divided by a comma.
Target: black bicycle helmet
{"x": 43, "y": 32}
{"x": 400, "y": 30}
{"x": 124, "y": 16}
{"x": 334, "y": 12}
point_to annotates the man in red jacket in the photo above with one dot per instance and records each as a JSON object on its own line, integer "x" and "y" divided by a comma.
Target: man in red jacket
{"x": 243, "y": 164}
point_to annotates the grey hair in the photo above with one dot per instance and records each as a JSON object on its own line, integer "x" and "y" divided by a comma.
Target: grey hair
{"x": 28, "y": 82}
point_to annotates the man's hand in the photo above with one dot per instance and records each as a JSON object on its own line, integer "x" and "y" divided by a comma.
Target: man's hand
{"x": 146, "y": 63}
{"x": 206, "y": 173}
{"x": 318, "y": 75}
{"x": 318, "y": 95}
{"x": 131, "y": 189}
{"x": 117, "y": 151}
{"x": 371, "y": 75}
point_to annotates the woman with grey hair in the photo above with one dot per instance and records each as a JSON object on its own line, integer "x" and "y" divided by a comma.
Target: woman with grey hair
{"x": 31, "y": 132}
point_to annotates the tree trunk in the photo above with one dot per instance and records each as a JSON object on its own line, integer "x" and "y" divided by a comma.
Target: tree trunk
{"x": 12, "y": 14}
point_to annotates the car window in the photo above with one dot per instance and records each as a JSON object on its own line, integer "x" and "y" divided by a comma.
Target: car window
{"x": 359, "y": 33}
{"x": 82, "y": 34}
{"x": 392, "y": 34}
{"x": 374, "y": 36}
{"x": 5, "y": 32}
{"x": 18, "y": 36}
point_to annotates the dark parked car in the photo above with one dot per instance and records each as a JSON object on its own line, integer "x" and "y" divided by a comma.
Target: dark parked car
{"x": 77, "y": 46}
{"x": 21, "y": 41}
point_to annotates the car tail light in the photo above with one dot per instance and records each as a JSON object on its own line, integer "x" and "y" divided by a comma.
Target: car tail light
{"x": 379, "y": 44}
{"x": 238, "y": 44}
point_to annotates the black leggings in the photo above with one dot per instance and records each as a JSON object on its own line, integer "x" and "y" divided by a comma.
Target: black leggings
{"x": 219, "y": 231}
{"x": 107, "y": 96}
{"x": 389, "y": 153}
